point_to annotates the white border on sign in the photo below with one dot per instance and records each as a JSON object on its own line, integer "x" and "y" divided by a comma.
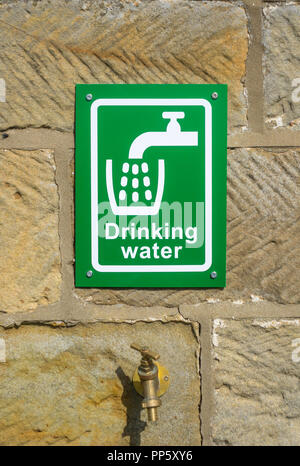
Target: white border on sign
{"x": 208, "y": 185}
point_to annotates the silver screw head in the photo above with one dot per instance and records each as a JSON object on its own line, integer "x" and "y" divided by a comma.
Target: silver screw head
{"x": 89, "y": 274}
{"x": 166, "y": 378}
{"x": 214, "y": 95}
{"x": 89, "y": 97}
{"x": 213, "y": 275}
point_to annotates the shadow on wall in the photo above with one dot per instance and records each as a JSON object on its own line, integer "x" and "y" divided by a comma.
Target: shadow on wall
{"x": 133, "y": 403}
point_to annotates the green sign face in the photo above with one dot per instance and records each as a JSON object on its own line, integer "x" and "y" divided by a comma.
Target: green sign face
{"x": 151, "y": 185}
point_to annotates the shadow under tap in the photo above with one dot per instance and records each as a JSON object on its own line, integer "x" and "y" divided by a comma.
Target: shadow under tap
{"x": 133, "y": 403}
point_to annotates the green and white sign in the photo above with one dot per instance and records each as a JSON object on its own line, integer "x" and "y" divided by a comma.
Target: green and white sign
{"x": 150, "y": 185}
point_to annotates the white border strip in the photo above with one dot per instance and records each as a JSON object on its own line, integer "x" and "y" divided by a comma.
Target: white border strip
{"x": 208, "y": 185}
{"x": 2, "y": 90}
{"x": 2, "y": 350}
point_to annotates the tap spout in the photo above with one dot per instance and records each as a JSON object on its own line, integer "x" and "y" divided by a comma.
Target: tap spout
{"x": 150, "y": 384}
{"x": 173, "y": 136}
{"x": 151, "y": 380}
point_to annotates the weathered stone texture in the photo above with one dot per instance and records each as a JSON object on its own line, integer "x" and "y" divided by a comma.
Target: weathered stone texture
{"x": 263, "y": 224}
{"x": 257, "y": 382}
{"x": 29, "y": 241}
{"x": 72, "y": 386}
{"x": 56, "y": 45}
{"x": 263, "y": 256}
{"x": 282, "y": 66}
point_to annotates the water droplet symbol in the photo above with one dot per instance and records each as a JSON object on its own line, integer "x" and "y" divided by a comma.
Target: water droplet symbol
{"x": 135, "y": 196}
{"x": 135, "y": 183}
{"x": 124, "y": 181}
{"x": 148, "y": 195}
{"x": 135, "y": 169}
{"x": 122, "y": 195}
{"x": 125, "y": 167}
{"x": 144, "y": 167}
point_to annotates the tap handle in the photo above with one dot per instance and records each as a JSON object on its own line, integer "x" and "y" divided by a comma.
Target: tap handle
{"x": 145, "y": 351}
{"x": 173, "y": 115}
{"x": 173, "y": 125}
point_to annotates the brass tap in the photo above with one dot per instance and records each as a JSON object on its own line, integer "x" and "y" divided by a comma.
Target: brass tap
{"x": 149, "y": 374}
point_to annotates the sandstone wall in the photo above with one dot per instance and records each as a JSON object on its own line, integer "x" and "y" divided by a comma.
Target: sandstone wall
{"x": 233, "y": 353}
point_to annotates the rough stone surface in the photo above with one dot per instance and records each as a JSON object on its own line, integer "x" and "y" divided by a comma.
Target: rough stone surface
{"x": 72, "y": 386}
{"x": 257, "y": 382}
{"x": 282, "y": 66}
{"x": 29, "y": 241}
{"x": 61, "y": 43}
{"x": 263, "y": 256}
{"x": 263, "y": 224}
